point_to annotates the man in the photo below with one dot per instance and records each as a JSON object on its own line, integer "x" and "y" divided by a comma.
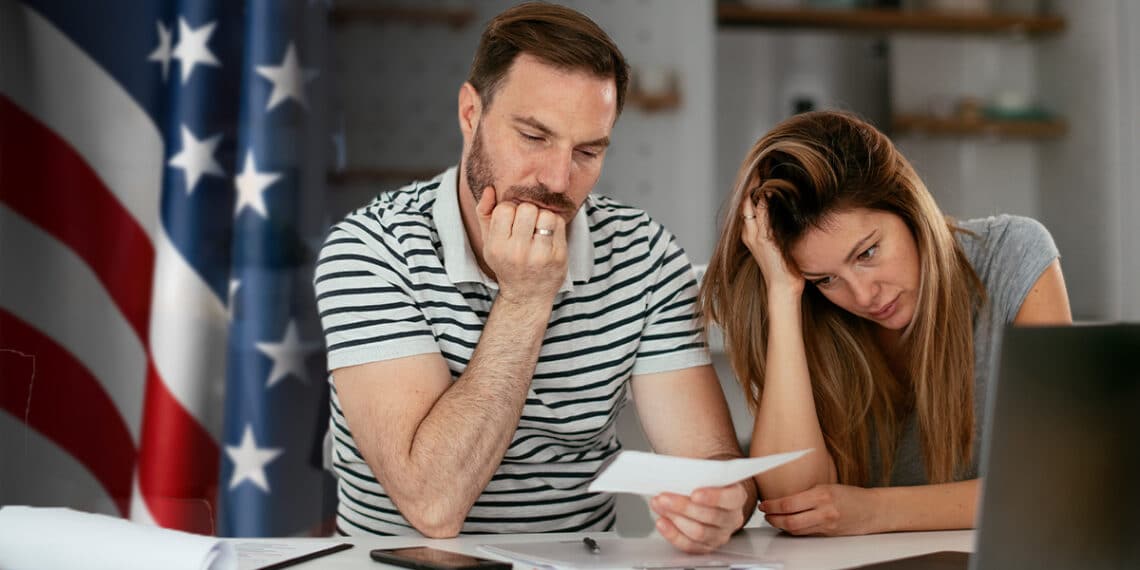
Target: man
{"x": 484, "y": 328}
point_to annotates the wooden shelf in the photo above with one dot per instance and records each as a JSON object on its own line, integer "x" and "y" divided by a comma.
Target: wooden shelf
{"x": 454, "y": 17}
{"x": 885, "y": 20}
{"x": 654, "y": 103}
{"x": 666, "y": 98}
{"x": 1007, "y": 128}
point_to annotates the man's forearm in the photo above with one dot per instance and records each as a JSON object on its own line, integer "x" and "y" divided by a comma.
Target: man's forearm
{"x": 460, "y": 444}
{"x": 928, "y": 507}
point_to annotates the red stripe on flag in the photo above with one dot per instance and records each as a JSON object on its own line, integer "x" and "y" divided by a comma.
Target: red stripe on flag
{"x": 45, "y": 180}
{"x": 51, "y": 185}
{"x": 178, "y": 463}
{"x": 67, "y": 406}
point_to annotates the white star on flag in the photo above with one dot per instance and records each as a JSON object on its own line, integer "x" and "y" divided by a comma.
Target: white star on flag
{"x": 196, "y": 158}
{"x": 162, "y": 53}
{"x": 234, "y": 285}
{"x": 192, "y": 49}
{"x": 251, "y": 186}
{"x": 288, "y": 355}
{"x": 288, "y": 79}
{"x": 250, "y": 460}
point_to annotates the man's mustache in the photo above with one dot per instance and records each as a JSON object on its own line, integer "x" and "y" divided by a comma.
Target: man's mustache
{"x": 539, "y": 194}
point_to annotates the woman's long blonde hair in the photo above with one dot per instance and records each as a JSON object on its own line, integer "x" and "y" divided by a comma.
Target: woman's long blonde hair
{"x": 806, "y": 169}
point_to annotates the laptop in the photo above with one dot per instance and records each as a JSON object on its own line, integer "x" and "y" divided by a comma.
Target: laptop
{"x": 1061, "y": 457}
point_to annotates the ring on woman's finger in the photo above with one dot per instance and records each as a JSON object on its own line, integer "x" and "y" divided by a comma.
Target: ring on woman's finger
{"x": 750, "y": 216}
{"x": 543, "y": 232}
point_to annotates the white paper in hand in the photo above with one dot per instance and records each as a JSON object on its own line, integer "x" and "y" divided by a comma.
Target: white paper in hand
{"x": 650, "y": 474}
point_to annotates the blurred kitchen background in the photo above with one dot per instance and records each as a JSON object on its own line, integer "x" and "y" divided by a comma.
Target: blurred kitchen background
{"x": 1029, "y": 107}
{"x": 1017, "y": 106}
{"x": 153, "y": 354}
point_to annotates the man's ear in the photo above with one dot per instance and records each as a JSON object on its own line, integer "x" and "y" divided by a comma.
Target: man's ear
{"x": 470, "y": 109}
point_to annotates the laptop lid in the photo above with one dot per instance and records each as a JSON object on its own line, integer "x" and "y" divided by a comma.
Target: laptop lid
{"x": 1061, "y": 458}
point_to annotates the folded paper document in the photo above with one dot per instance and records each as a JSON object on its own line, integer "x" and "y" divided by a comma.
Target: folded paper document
{"x": 649, "y": 473}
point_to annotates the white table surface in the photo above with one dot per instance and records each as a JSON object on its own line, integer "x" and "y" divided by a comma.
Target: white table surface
{"x": 795, "y": 553}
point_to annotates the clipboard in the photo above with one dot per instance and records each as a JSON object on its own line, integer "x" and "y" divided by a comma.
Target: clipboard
{"x": 638, "y": 553}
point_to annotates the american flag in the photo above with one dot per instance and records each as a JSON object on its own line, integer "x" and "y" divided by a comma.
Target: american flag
{"x": 161, "y": 180}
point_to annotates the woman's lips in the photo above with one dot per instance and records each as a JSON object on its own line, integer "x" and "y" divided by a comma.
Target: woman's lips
{"x": 885, "y": 312}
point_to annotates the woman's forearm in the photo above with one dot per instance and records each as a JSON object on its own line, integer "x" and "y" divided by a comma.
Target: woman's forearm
{"x": 927, "y": 507}
{"x": 786, "y": 419}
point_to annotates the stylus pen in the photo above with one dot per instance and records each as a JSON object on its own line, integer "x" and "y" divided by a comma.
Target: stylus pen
{"x": 592, "y": 545}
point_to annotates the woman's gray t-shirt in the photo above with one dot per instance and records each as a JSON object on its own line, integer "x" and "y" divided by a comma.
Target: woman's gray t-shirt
{"x": 1009, "y": 254}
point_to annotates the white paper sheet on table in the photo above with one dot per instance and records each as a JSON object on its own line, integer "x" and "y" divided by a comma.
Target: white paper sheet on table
{"x": 649, "y": 473}
{"x": 261, "y": 554}
{"x": 637, "y": 553}
{"x": 36, "y": 538}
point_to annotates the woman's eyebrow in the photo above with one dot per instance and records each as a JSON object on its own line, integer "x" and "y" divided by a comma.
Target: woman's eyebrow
{"x": 854, "y": 251}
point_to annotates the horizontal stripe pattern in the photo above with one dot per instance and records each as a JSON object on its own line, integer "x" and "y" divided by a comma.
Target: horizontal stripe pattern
{"x": 384, "y": 293}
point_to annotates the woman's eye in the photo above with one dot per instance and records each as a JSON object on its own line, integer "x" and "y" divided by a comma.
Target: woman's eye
{"x": 824, "y": 282}
{"x": 869, "y": 253}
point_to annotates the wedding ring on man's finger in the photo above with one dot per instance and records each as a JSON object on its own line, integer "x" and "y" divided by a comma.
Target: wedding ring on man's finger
{"x": 543, "y": 232}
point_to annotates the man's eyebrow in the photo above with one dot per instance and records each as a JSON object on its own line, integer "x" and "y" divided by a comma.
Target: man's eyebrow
{"x": 603, "y": 142}
{"x": 854, "y": 251}
{"x": 533, "y": 123}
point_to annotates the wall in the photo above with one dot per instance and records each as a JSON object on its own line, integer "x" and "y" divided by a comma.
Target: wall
{"x": 969, "y": 177}
{"x": 399, "y": 84}
{"x": 759, "y": 72}
{"x": 1128, "y": 157}
{"x": 1087, "y": 199}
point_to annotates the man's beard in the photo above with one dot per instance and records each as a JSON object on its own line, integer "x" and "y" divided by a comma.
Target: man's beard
{"x": 480, "y": 175}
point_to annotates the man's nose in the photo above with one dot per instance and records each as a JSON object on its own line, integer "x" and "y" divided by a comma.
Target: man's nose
{"x": 554, "y": 172}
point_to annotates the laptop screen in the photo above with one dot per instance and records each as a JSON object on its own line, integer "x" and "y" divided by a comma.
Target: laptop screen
{"x": 1061, "y": 459}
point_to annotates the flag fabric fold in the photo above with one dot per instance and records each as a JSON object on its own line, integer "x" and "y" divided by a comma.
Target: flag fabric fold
{"x": 161, "y": 206}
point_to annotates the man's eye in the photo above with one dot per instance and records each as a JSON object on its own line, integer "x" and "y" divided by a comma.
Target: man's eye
{"x": 588, "y": 154}
{"x": 531, "y": 137}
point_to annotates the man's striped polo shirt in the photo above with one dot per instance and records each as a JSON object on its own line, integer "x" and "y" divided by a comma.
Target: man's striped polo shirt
{"x": 398, "y": 278}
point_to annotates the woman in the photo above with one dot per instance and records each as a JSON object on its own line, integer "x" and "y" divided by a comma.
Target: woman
{"x": 859, "y": 319}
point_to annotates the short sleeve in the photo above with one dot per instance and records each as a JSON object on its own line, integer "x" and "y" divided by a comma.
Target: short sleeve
{"x": 1016, "y": 251}
{"x": 672, "y": 338}
{"x": 366, "y": 307}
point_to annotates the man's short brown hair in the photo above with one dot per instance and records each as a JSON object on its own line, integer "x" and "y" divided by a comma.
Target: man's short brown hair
{"x": 557, "y": 35}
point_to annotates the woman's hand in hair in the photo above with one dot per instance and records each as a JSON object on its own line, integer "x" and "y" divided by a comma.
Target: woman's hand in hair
{"x": 826, "y": 510}
{"x": 756, "y": 235}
